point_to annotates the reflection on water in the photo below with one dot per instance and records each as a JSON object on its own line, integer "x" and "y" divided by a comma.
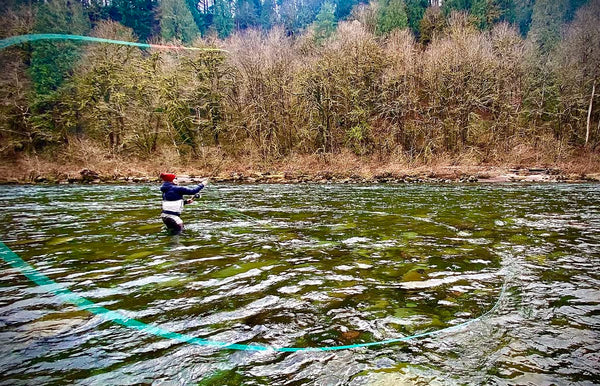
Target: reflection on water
{"x": 306, "y": 266}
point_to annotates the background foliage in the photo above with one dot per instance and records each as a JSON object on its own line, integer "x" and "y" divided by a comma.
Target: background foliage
{"x": 391, "y": 78}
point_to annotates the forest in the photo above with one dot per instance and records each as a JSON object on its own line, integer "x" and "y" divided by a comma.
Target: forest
{"x": 408, "y": 81}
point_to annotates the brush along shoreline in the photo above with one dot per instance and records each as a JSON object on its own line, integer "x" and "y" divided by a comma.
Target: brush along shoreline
{"x": 440, "y": 175}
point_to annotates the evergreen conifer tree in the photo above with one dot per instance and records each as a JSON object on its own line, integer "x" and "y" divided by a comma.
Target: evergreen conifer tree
{"x": 52, "y": 61}
{"x": 487, "y": 12}
{"x": 325, "y": 21}
{"x": 343, "y": 8}
{"x": 268, "y": 15}
{"x": 222, "y": 18}
{"x": 177, "y": 22}
{"x": 546, "y": 23}
{"x": 455, "y": 5}
{"x": 392, "y": 15}
{"x": 523, "y": 12}
{"x": 307, "y": 12}
{"x": 415, "y": 10}
{"x": 137, "y": 15}
{"x": 507, "y": 10}
{"x": 297, "y": 14}
{"x": 199, "y": 17}
{"x": 245, "y": 14}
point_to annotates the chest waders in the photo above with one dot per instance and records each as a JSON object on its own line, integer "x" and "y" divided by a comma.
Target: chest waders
{"x": 171, "y": 212}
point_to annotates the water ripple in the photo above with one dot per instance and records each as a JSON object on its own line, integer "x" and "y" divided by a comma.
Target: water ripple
{"x": 307, "y": 265}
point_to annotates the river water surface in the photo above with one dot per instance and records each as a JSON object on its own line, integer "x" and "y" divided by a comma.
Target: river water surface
{"x": 305, "y": 266}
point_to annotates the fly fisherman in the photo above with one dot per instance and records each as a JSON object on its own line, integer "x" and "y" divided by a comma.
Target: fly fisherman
{"x": 173, "y": 201}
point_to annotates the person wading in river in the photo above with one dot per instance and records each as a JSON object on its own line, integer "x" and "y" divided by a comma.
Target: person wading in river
{"x": 173, "y": 201}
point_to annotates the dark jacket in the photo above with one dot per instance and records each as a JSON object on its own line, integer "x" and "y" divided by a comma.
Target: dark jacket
{"x": 172, "y": 192}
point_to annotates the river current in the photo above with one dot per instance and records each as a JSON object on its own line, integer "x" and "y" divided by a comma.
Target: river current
{"x": 305, "y": 265}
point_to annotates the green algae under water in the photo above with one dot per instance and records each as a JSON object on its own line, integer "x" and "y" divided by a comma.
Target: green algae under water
{"x": 306, "y": 266}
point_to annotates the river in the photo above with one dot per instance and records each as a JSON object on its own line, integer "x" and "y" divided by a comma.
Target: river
{"x": 505, "y": 277}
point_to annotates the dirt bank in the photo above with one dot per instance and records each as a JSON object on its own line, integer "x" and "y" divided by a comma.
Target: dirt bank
{"x": 306, "y": 170}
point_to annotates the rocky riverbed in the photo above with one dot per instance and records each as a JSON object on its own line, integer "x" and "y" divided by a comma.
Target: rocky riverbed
{"x": 440, "y": 175}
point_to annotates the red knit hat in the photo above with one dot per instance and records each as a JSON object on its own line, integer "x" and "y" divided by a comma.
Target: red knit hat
{"x": 167, "y": 177}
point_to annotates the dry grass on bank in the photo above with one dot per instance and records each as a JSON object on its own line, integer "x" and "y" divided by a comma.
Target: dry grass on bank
{"x": 70, "y": 161}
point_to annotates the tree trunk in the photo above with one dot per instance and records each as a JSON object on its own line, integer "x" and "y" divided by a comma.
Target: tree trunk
{"x": 587, "y": 129}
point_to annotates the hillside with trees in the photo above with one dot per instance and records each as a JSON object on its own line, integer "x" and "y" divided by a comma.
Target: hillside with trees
{"x": 390, "y": 82}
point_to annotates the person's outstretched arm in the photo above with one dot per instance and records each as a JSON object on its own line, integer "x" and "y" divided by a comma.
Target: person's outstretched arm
{"x": 190, "y": 191}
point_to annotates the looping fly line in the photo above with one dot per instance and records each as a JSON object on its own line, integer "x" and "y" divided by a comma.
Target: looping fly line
{"x": 14, "y": 40}
{"x": 66, "y": 296}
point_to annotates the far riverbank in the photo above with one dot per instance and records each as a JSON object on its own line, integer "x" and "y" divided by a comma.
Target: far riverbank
{"x": 35, "y": 171}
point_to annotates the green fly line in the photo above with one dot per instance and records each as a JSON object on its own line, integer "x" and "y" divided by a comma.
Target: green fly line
{"x": 20, "y": 39}
{"x": 67, "y": 296}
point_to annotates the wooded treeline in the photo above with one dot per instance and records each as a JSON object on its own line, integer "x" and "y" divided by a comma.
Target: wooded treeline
{"x": 185, "y": 20}
{"x": 369, "y": 85}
